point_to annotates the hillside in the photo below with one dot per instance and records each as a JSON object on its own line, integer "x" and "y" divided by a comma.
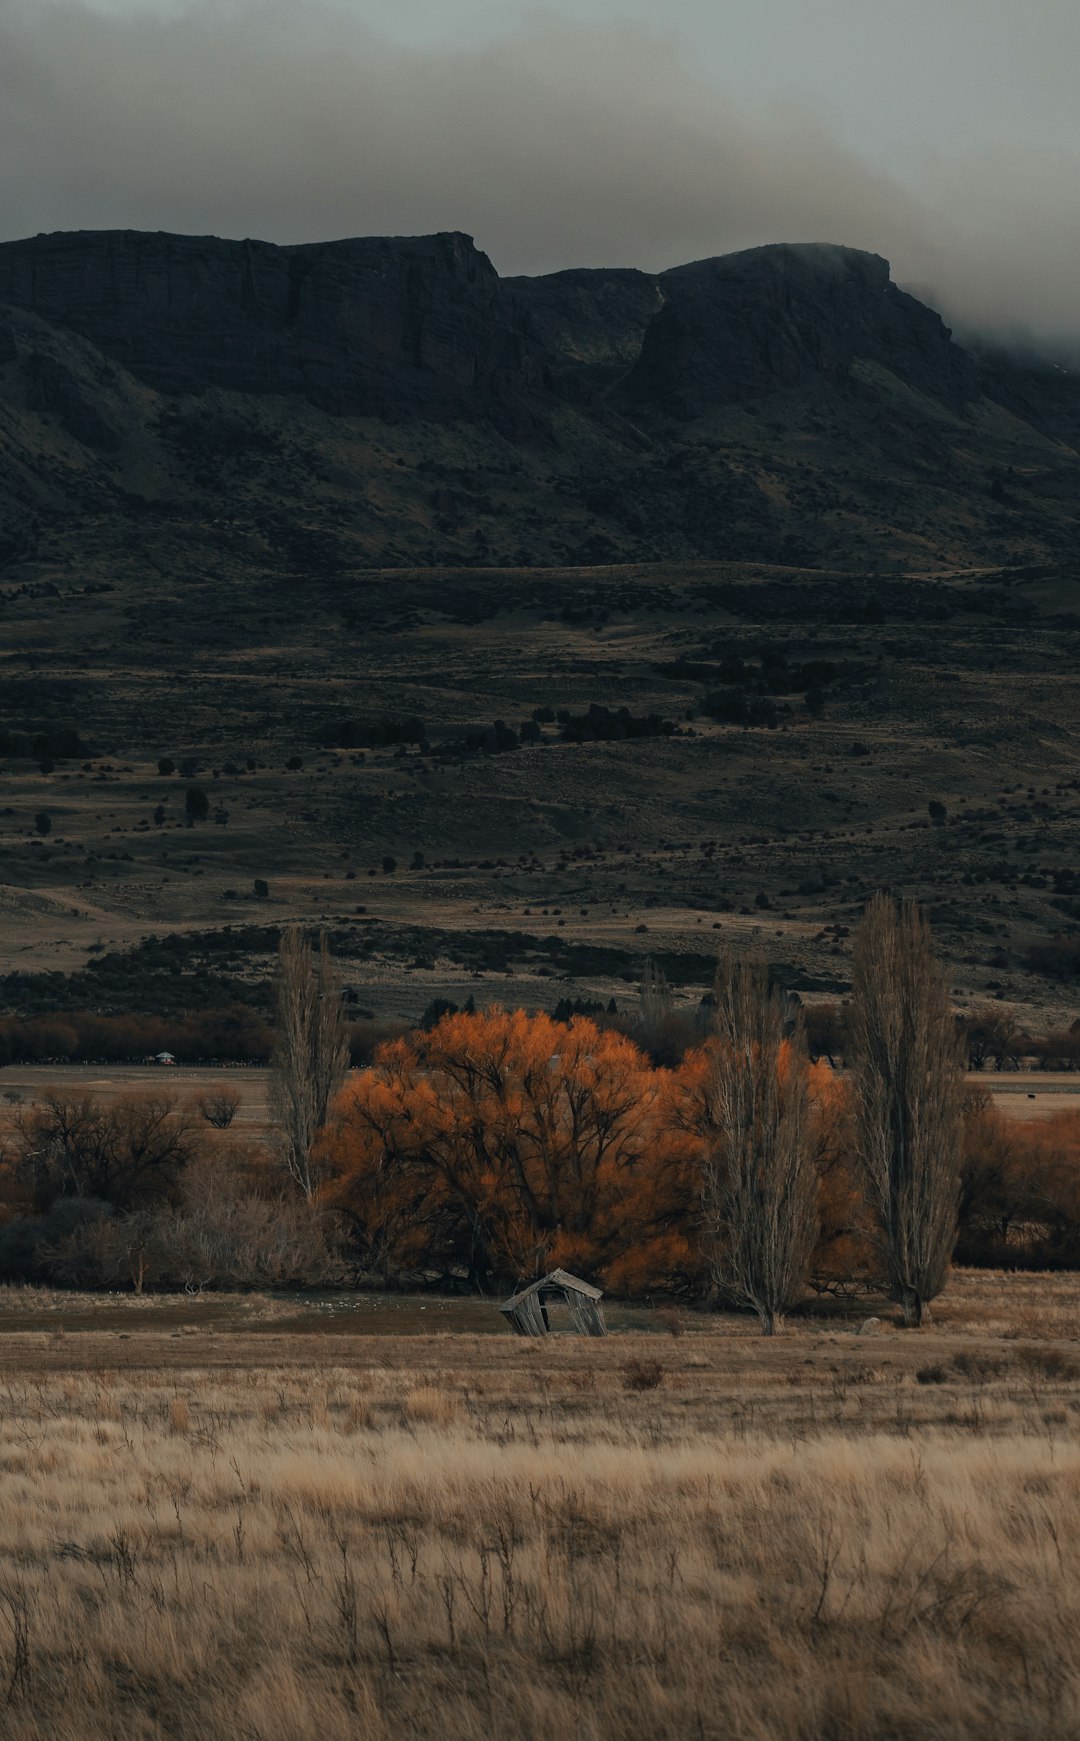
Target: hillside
{"x": 327, "y": 526}
{"x": 404, "y": 405}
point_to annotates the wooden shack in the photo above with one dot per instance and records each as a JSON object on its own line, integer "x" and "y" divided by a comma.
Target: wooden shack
{"x": 528, "y": 1310}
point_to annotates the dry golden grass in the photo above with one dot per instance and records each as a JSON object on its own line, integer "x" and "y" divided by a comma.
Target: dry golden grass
{"x": 455, "y": 1536}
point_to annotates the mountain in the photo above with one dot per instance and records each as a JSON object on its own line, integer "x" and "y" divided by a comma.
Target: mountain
{"x": 393, "y": 401}
{"x": 521, "y": 630}
{"x": 380, "y": 327}
{"x": 779, "y": 319}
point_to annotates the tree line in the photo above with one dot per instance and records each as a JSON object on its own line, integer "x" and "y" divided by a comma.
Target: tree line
{"x": 498, "y": 1144}
{"x": 236, "y": 1033}
{"x": 991, "y": 1035}
{"x": 503, "y": 1144}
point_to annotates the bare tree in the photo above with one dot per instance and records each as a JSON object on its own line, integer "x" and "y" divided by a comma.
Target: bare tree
{"x": 311, "y": 1055}
{"x": 761, "y": 1186}
{"x": 991, "y": 1031}
{"x": 659, "y": 1028}
{"x": 655, "y": 1002}
{"x": 219, "y": 1107}
{"x": 907, "y": 1070}
{"x": 129, "y": 1152}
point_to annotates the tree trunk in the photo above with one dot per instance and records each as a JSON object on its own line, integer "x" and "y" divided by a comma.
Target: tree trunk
{"x": 912, "y": 1307}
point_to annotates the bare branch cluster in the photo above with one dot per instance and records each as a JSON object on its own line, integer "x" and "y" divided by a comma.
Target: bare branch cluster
{"x": 761, "y": 1183}
{"x": 907, "y": 1069}
{"x": 312, "y": 1052}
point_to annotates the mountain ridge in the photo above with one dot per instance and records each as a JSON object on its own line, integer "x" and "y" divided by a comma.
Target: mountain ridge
{"x": 782, "y": 404}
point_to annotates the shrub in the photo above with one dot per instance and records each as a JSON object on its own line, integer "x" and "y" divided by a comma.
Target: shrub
{"x": 365, "y": 1037}
{"x": 669, "y": 1318}
{"x": 642, "y": 1375}
{"x": 493, "y": 740}
{"x": 435, "y": 1011}
{"x": 1054, "y": 1364}
{"x": 228, "y": 1239}
{"x": 737, "y": 707}
{"x": 601, "y": 725}
{"x": 127, "y": 1153}
{"x": 43, "y": 822}
{"x": 28, "y": 1242}
{"x": 1057, "y": 959}
{"x": 936, "y": 1374}
{"x": 219, "y": 1107}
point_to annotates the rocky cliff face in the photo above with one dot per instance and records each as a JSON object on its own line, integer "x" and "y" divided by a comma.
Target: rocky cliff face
{"x": 318, "y": 410}
{"x": 588, "y": 325}
{"x": 424, "y": 327}
{"x": 747, "y": 325}
{"x": 379, "y": 327}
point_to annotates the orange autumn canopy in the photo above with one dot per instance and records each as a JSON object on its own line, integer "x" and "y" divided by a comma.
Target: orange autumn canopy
{"x": 512, "y": 1143}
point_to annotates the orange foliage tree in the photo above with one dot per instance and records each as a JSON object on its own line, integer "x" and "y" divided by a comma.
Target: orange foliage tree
{"x": 503, "y": 1144}
{"x": 844, "y": 1257}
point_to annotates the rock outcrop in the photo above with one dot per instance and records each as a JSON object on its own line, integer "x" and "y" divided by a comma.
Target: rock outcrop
{"x": 588, "y": 325}
{"x": 378, "y": 327}
{"x": 741, "y": 327}
{"x": 423, "y": 326}
{"x": 391, "y": 401}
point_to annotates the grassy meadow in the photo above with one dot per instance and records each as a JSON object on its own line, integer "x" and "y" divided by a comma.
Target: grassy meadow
{"x": 1022, "y": 1096}
{"x": 213, "y": 1526}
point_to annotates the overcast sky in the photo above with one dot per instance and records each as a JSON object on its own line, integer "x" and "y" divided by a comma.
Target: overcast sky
{"x": 942, "y": 133}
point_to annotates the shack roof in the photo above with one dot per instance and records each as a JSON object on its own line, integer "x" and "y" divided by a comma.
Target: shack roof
{"x": 558, "y": 1278}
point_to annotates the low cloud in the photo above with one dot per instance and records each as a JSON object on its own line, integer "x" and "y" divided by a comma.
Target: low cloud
{"x": 554, "y": 146}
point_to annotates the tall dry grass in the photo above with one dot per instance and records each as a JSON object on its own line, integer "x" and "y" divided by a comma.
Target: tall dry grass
{"x": 851, "y": 1543}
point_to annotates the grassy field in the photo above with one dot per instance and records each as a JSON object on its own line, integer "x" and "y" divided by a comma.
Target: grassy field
{"x": 1024, "y": 1095}
{"x": 215, "y": 1527}
{"x": 25, "y": 1083}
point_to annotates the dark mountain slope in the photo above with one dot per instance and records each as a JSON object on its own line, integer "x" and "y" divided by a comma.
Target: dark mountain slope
{"x": 589, "y": 325}
{"x": 263, "y": 508}
{"x": 379, "y": 327}
{"x": 256, "y": 411}
{"x": 774, "y": 319}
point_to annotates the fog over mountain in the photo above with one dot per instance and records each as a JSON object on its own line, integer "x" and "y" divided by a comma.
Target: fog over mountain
{"x": 557, "y": 144}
